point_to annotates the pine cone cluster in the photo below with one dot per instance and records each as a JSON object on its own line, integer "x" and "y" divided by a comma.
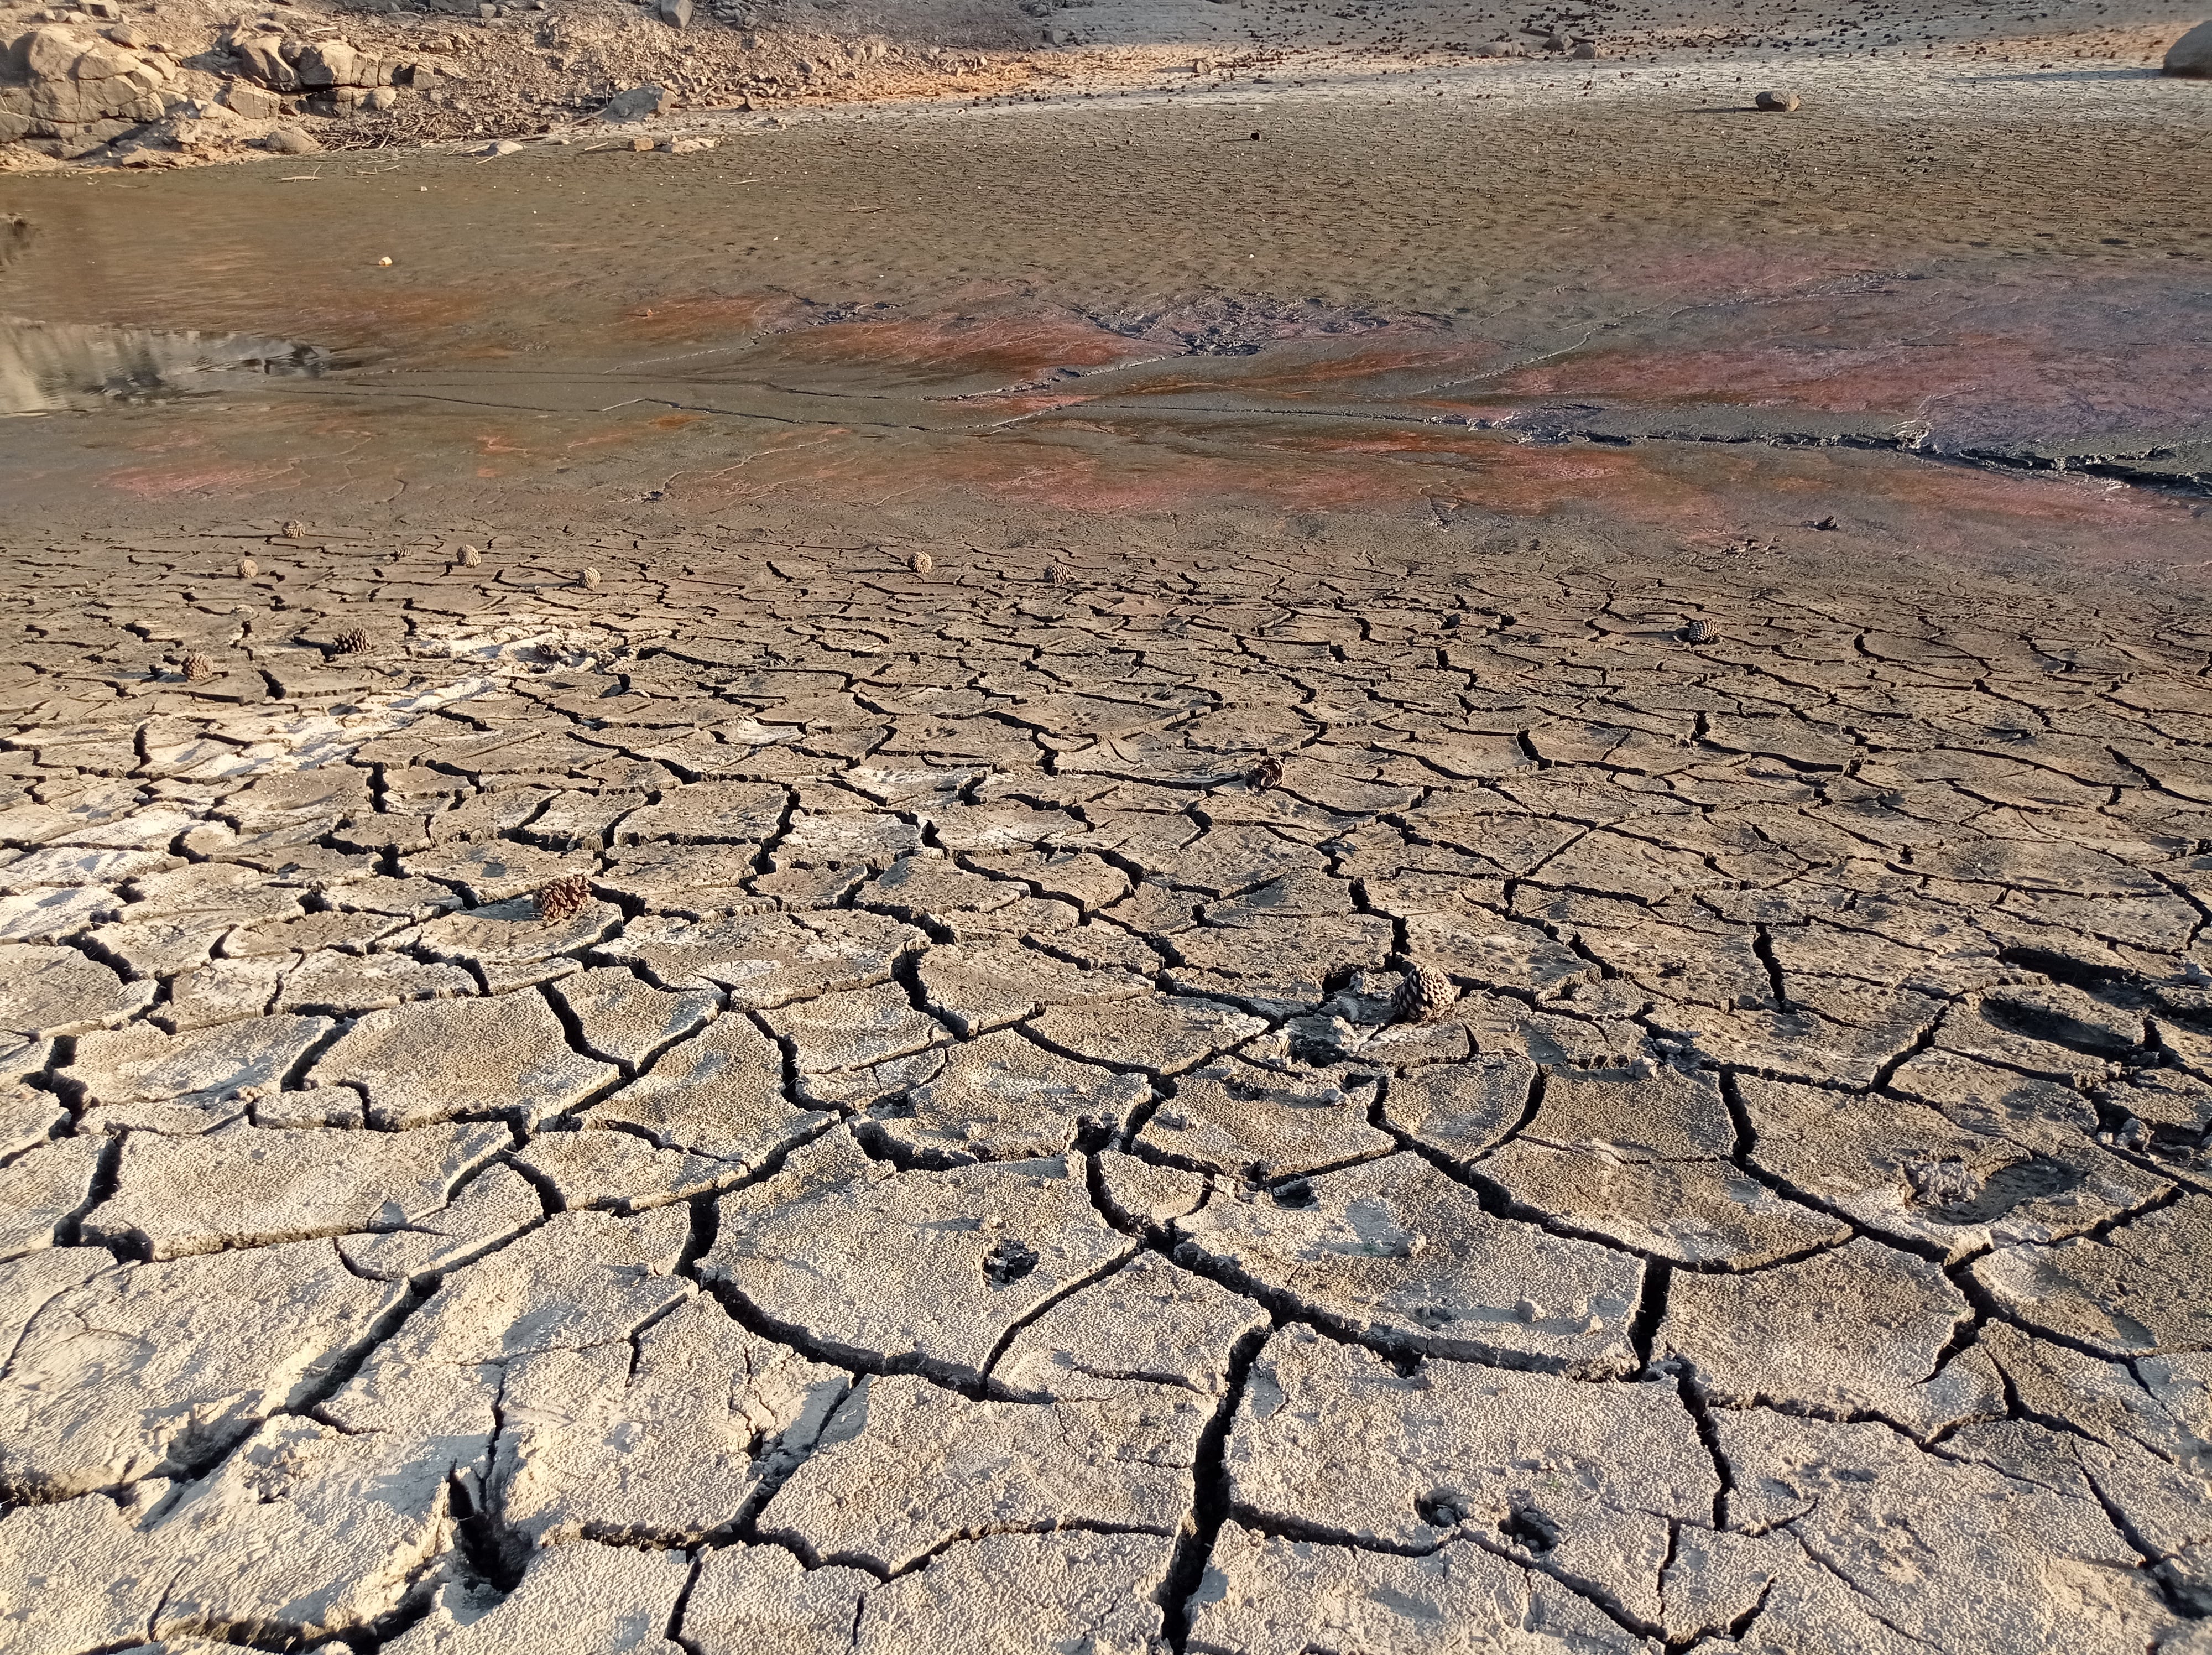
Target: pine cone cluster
{"x": 564, "y": 898}
{"x": 1423, "y": 995}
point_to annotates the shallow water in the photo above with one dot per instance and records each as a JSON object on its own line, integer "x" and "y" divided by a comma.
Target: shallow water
{"x": 1663, "y": 311}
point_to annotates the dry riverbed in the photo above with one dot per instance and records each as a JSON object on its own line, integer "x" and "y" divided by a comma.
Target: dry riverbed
{"x": 1039, "y": 878}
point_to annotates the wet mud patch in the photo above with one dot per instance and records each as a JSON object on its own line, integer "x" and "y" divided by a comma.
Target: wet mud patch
{"x": 1227, "y": 325}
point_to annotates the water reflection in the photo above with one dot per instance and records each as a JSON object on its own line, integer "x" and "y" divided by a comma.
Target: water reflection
{"x": 52, "y": 367}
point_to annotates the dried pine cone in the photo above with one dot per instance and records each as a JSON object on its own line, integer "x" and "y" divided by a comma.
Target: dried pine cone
{"x": 248, "y": 568}
{"x": 590, "y": 577}
{"x": 197, "y": 668}
{"x": 563, "y": 899}
{"x": 354, "y": 642}
{"x": 1700, "y": 632}
{"x": 920, "y": 562}
{"x": 1422, "y": 995}
{"x": 470, "y": 557}
{"x": 1059, "y": 574}
{"x": 1268, "y": 773}
{"x": 296, "y": 530}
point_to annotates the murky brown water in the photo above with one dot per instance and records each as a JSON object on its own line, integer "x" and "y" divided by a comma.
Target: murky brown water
{"x": 1670, "y": 315}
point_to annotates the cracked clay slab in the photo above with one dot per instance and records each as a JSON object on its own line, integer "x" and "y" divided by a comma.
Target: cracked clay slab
{"x": 1269, "y": 1595}
{"x": 1945, "y": 1550}
{"x": 862, "y": 1261}
{"x": 248, "y": 1186}
{"x": 441, "y": 1060}
{"x": 906, "y": 1465}
{"x": 662, "y": 1439}
{"x": 1003, "y": 1097}
{"x": 1069, "y": 1590}
{"x": 147, "y": 1369}
{"x": 1863, "y": 1329}
{"x": 1396, "y": 1252}
{"x": 719, "y": 1095}
{"x": 1585, "y": 1480}
{"x": 2145, "y": 1287}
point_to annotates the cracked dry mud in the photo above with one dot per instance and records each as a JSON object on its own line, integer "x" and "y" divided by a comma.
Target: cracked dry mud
{"x": 957, "y": 1182}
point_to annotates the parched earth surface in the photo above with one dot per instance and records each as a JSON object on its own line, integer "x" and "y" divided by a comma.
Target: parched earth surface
{"x": 595, "y": 1094}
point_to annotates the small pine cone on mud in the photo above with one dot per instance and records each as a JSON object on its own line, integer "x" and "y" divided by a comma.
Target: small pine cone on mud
{"x": 470, "y": 557}
{"x": 248, "y": 568}
{"x": 354, "y": 642}
{"x": 590, "y": 578}
{"x": 564, "y": 898}
{"x": 296, "y": 530}
{"x": 197, "y": 668}
{"x": 1423, "y": 995}
{"x": 1700, "y": 632}
{"x": 1267, "y": 774}
{"x": 922, "y": 563}
{"x": 1059, "y": 574}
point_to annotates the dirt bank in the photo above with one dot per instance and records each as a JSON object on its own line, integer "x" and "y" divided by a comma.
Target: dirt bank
{"x": 180, "y": 83}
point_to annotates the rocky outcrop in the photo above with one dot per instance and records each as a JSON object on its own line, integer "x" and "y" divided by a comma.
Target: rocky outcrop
{"x": 331, "y": 71}
{"x": 55, "y": 84}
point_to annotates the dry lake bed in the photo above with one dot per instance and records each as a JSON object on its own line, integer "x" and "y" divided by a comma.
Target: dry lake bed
{"x": 1383, "y": 864}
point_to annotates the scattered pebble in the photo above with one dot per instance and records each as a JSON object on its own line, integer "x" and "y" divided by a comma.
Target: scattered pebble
{"x": 1777, "y": 100}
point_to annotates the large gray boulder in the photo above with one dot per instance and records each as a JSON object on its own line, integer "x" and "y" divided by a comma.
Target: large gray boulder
{"x": 639, "y": 103}
{"x": 2192, "y": 54}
